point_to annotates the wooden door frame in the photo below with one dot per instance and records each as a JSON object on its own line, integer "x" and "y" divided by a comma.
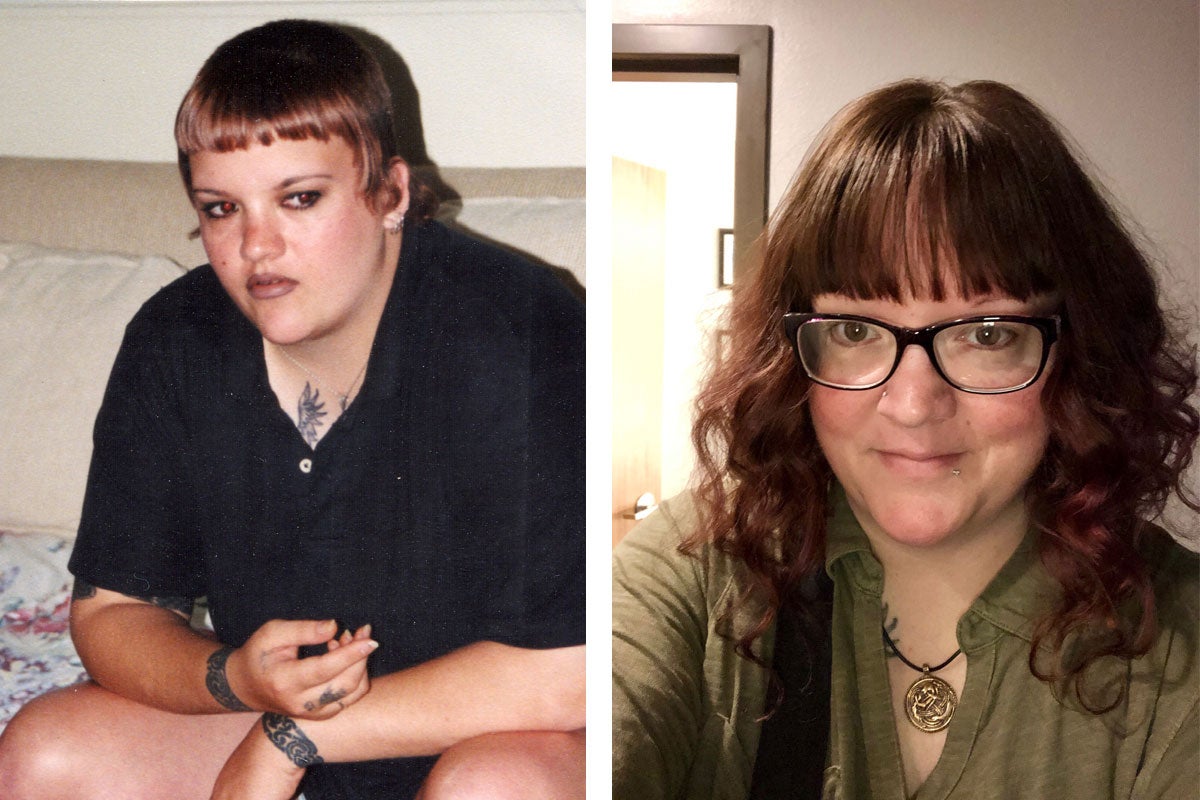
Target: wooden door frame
{"x": 739, "y": 53}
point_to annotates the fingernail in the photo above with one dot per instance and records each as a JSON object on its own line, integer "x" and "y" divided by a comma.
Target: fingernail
{"x": 369, "y": 646}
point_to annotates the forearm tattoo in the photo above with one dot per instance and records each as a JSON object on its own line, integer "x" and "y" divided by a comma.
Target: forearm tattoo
{"x": 287, "y": 736}
{"x": 218, "y": 684}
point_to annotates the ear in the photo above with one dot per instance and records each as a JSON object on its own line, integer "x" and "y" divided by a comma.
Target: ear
{"x": 398, "y": 174}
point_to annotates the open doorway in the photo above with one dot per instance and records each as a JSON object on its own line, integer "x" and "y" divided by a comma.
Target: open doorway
{"x": 689, "y": 196}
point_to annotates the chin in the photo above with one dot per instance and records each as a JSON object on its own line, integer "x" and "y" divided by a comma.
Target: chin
{"x": 915, "y": 534}
{"x": 282, "y": 331}
{"x": 911, "y": 521}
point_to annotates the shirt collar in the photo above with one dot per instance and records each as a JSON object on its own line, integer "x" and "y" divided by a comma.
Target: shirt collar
{"x": 1011, "y": 603}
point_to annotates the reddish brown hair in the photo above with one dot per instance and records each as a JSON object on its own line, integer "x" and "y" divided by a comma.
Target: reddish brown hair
{"x": 297, "y": 79}
{"x": 913, "y": 186}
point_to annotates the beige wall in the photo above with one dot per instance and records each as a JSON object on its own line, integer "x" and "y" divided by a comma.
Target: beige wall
{"x": 1122, "y": 77}
{"x": 501, "y": 83}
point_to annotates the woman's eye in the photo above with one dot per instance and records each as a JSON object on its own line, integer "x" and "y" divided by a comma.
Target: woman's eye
{"x": 990, "y": 335}
{"x": 218, "y": 209}
{"x": 851, "y": 332}
{"x": 302, "y": 199}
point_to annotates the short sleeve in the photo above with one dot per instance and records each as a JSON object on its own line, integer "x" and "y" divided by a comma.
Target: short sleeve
{"x": 660, "y": 623}
{"x": 554, "y": 597}
{"x": 512, "y": 387}
{"x": 132, "y": 538}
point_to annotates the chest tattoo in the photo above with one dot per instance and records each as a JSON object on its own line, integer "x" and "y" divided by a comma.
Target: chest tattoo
{"x": 309, "y": 412}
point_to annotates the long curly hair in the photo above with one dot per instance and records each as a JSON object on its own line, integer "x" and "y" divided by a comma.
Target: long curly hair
{"x": 913, "y": 187}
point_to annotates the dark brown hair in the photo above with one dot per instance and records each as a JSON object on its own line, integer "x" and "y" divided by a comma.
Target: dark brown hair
{"x": 930, "y": 189}
{"x": 297, "y": 79}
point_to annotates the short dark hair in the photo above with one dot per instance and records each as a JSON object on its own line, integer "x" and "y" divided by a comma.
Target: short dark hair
{"x": 296, "y": 79}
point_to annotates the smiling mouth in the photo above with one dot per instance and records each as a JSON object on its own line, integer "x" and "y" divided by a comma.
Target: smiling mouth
{"x": 920, "y": 464}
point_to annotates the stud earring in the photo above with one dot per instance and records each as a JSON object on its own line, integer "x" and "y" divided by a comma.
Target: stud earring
{"x": 398, "y": 225}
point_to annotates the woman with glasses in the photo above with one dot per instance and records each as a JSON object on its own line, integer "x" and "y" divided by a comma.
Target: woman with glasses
{"x": 917, "y": 561}
{"x": 359, "y": 434}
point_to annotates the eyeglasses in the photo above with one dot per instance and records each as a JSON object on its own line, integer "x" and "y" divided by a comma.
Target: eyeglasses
{"x": 982, "y": 355}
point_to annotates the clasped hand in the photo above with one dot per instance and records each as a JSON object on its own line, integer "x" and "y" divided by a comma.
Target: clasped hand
{"x": 267, "y": 673}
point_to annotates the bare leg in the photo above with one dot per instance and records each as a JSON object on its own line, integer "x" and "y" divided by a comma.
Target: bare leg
{"x": 86, "y": 743}
{"x": 522, "y": 765}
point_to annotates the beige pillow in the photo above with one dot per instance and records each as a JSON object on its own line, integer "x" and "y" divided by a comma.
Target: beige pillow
{"x": 550, "y": 229}
{"x": 62, "y": 316}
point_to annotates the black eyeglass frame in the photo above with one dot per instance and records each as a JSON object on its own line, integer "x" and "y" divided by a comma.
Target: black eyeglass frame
{"x": 1050, "y": 328}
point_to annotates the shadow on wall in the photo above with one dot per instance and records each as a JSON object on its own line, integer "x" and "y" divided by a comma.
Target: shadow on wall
{"x": 410, "y": 142}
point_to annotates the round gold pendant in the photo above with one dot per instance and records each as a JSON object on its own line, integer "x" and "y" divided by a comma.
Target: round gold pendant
{"x": 930, "y": 703}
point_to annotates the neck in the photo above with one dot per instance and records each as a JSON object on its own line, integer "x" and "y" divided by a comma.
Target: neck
{"x": 338, "y": 357}
{"x": 927, "y": 589}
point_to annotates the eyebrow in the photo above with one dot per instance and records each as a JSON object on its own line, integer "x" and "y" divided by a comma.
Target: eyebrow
{"x": 286, "y": 183}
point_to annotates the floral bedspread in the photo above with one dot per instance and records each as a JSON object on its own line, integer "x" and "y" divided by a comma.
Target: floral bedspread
{"x": 36, "y": 654}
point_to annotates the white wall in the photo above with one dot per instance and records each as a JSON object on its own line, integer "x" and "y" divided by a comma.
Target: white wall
{"x": 1122, "y": 77}
{"x": 501, "y": 82}
{"x": 687, "y": 131}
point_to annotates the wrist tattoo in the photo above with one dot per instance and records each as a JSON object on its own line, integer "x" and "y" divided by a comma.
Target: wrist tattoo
{"x": 287, "y": 736}
{"x": 218, "y": 684}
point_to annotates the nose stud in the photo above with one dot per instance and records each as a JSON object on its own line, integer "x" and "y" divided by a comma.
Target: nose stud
{"x": 956, "y": 472}
{"x": 884, "y": 393}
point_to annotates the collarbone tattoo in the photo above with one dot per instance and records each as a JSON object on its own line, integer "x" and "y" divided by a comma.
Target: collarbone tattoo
{"x": 310, "y": 410}
{"x": 890, "y": 623}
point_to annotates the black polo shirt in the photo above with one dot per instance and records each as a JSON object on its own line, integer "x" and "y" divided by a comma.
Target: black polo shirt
{"x": 444, "y": 507}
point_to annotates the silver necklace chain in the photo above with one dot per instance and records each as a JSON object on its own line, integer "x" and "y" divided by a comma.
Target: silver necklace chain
{"x": 343, "y": 397}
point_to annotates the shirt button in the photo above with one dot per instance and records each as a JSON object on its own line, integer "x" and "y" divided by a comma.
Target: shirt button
{"x": 306, "y": 465}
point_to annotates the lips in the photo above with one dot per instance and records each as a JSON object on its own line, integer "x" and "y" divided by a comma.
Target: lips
{"x": 919, "y": 464}
{"x": 268, "y": 285}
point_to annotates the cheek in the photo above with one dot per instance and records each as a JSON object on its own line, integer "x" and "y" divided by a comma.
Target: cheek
{"x": 1014, "y": 431}
{"x": 837, "y": 415}
{"x": 1018, "y": 414}
{"x": 220, "y": 247}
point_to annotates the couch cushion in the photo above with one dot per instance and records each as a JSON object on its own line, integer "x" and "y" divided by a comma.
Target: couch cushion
{"x": 551, "y": 229}
{"x": 62, "y": 316}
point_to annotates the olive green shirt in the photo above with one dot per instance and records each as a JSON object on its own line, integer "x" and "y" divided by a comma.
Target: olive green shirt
{"x": 686, "y": 707}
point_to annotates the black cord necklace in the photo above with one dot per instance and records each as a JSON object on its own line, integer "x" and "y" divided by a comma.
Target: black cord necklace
{"x": 930, "y": 701}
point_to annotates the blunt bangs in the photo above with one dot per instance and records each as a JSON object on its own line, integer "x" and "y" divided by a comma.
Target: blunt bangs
{"x": 217, "y": 124}
{"x": 291, "y": 80}
{"x": 916, "y": 194}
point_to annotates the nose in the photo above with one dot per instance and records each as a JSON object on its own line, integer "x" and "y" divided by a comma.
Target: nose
{"x": 261, "y": 237}
{"x": 916, "y": 394}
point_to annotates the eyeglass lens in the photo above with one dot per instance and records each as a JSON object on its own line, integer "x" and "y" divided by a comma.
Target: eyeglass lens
{"x": 984, "y": 356}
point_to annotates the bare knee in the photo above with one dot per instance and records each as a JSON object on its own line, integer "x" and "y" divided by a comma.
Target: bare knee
{"x": 38, "y": 756}
{"x": 510, "y": 766}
